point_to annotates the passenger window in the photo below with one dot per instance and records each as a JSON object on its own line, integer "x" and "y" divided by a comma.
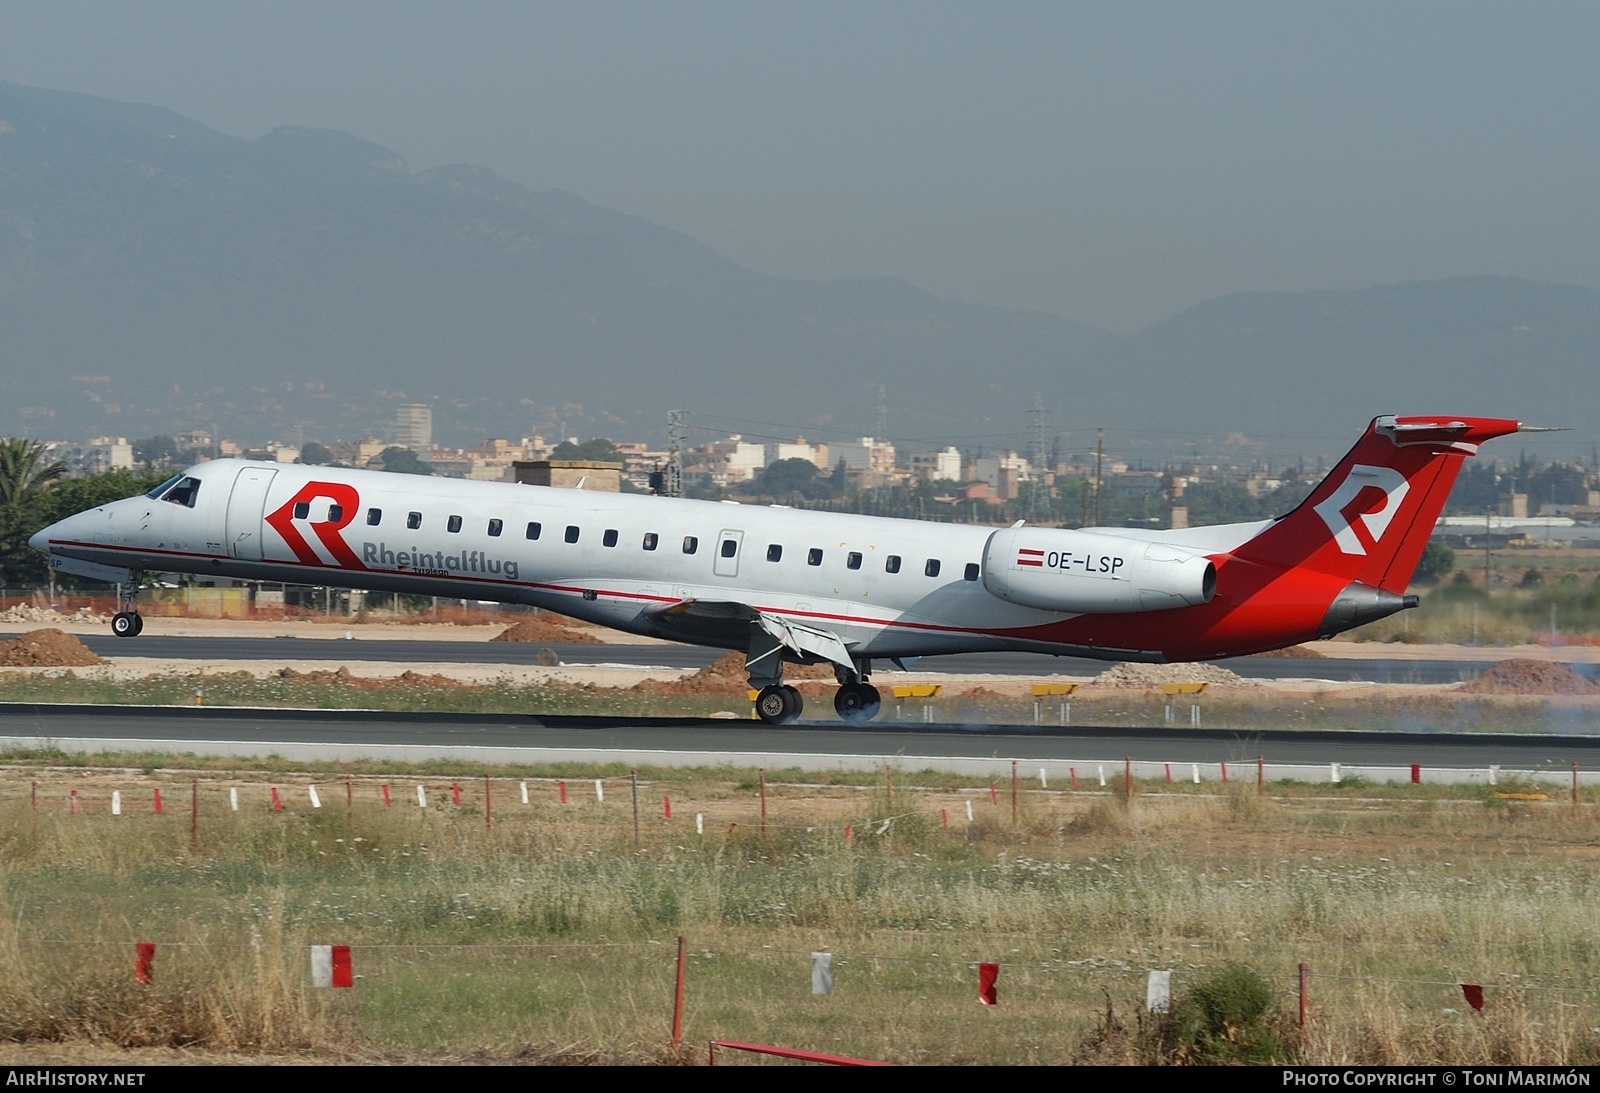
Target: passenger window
{"x": 302, "y": 509}
{"x": 891, "y": 564}
{"x": 690, "y": 544}
{"x": 814, "y": 556}
{"x": 774, "y": 553}
{"x": 932, "y": 568}
{"x": 730, "y": 547}
{"x": 453, "y": 524}
{"x": 495, "y": 527}
{"x": 572, "y": 533}
{"x": 534, "y": 528}
{"x": 972, "y": 572}
{"x": 335, "y": 513}
{"x": 609, "y": 538}
{"x": 853, "y": 560}
{"x": 374, "y": 516}
{"x": 650, "y": 540}
{"x": 413, "y": 520}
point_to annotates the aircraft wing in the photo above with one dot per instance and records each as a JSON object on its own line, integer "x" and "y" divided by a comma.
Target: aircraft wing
{"x": 727, "y": 622}
{"x": 822, "y": 644}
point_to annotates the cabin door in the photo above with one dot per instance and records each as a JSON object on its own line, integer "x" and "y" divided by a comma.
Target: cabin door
{"x": 246, "y": 504}
{"x": 729, "y": 545}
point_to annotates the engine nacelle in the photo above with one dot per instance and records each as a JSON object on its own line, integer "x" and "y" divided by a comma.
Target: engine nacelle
{"x": 1092, "y": 573}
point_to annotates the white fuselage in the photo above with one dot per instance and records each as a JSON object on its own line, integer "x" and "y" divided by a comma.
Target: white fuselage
{"x": 887, "y": 588}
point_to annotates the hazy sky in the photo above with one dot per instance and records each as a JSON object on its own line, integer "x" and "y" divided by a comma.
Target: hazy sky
{"x": 1111, "y": 162}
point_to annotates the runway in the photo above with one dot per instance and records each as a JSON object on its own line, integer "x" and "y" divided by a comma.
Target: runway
{"x": 983, "y": 751}
{"x": 356, "y": 650}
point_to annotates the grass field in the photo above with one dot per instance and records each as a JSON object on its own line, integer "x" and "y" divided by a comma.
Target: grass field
{"x": 551, "y": 936}
{"x": 1541, "y": 605}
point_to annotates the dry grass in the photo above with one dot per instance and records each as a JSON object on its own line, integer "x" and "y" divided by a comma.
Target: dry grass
{"x": 551, "y": 938}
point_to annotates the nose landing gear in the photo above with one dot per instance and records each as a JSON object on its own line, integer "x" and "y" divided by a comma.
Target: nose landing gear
{"x": 128, "y": 623}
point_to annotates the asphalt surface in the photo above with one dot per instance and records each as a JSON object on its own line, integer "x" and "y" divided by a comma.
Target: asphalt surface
{"x": 1373, "y": 670}
{"x": 1085, "y": 744}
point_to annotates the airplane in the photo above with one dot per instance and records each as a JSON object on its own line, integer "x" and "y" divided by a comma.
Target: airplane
{"x": 796, "y": 586}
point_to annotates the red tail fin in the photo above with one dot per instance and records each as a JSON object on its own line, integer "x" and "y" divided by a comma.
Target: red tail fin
{"x": 1370, "y": 519}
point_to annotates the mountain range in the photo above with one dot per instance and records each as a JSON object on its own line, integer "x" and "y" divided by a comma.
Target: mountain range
{"x": 157, "y": 275}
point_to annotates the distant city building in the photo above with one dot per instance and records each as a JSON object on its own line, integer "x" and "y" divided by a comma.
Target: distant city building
{"x": 870, "y": 455}
{"x": 640, "y": 461}
{"x": 357, "y": 453}
{"x": 413, "y": 426}
{"x": 815, "y": 454}
{"x": 491, "y": 461}
{"x": 104, "y": 453}
{"x": 1005, "y": 473}
{"x": 745, "y": 460}
{"x": 978, "y": 493}
{"x": 588, "y": 474}
{"x": 934, "y": 466}
{"x": 1261, "y": 483}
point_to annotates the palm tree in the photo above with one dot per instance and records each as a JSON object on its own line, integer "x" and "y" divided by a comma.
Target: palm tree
{"x": 23, "y": 473}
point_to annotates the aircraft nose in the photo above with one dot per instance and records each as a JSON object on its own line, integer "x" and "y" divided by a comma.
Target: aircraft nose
{"x": 41, "y": 540}
{"x": 58, "y": 531}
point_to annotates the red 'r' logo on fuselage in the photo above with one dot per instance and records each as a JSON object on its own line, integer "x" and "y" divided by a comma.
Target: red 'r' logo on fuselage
{"x": 345, "y": 498}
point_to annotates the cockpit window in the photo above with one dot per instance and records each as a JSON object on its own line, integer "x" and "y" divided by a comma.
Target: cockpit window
{"x": 184, "y": 493}
{"x": 155, "y": 494}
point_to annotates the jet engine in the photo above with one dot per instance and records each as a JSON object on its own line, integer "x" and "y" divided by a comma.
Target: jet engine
{"x": 1092, "y": 573}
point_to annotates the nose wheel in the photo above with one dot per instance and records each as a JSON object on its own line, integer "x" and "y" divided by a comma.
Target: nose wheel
{"x": 128, "y": 623}
{"x": 857, "y": 702}
{"x": 779, "y": 704}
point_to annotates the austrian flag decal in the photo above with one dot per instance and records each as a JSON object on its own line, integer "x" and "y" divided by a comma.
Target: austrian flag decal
{"x": 1028, "y": 556}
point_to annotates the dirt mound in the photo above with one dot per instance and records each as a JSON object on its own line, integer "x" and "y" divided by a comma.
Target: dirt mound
{"x": 46, "y": 649}
{"x": 418, "y": 679}
{"x": 321, "y": 675}
{"x": 726, "y": 675}
{"x": 729, "y": 666}
{"x": 1304, "y": 652}
{"x": 537, "y": 628}
{"x": 1153, "y": 675}
{"x": 1530, "y": 677}
{"x": 343, "y": 677}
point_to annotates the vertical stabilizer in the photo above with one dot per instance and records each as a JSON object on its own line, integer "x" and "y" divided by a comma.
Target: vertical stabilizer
{"x": 1370, "y": 519}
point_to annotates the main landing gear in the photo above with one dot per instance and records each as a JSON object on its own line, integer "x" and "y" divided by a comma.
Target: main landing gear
{"x": 856, "y": 701}
{"x": 779, "y": 704}
{"x": 128, "y": 623}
